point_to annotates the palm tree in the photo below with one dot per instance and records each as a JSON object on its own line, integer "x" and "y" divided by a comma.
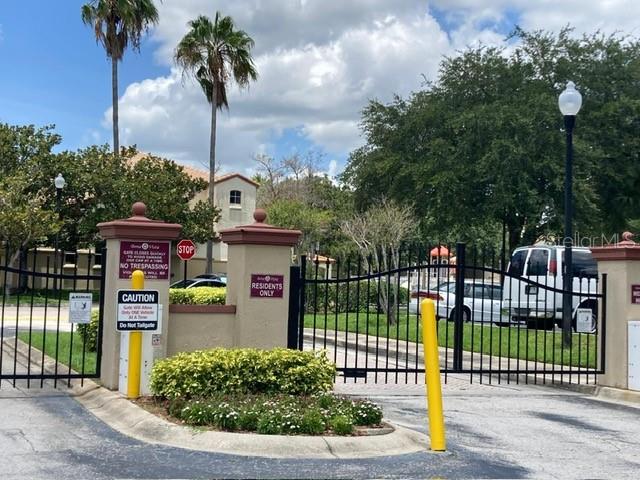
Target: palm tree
{"x": 216, "y": 53}
{"x": 118, "y": 24}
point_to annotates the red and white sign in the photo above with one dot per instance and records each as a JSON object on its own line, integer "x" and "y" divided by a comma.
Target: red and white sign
{"x": 186, "y": 249}
{"x": 635, "y": 294}
{"x": 267, "y": 286}
{"x": 150, "y": 257}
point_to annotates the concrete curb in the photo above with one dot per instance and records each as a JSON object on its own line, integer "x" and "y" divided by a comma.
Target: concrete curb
{"x": 131, "y": 420}
{"x": 617, "y": 395}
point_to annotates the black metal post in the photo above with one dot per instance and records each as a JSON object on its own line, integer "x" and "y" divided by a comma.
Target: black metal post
{"x": 567, "y": 296}
{"x": 301, "y": 300}
{"x": 503, "y": 253}
{"x": 57, "y": 239}
{"x": 458, "y": 325}
{"x": 294, "y": 308}
{"x": 184, "y": 279}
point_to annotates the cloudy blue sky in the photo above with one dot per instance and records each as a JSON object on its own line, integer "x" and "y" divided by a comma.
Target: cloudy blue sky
{"x": 319, "y": 63}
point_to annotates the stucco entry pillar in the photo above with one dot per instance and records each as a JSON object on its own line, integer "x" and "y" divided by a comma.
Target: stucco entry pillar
{"x": 621, "y": 264}
{"x": 259, "y": 250}
{"x": 136, "y": 230}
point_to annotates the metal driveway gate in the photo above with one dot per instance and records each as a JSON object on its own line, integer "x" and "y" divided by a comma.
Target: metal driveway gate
{"x": 494, "y": 323}
{"x": 38, "y": 341}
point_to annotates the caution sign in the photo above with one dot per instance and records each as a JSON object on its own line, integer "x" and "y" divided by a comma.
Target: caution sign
{"x": 137, "y": 310}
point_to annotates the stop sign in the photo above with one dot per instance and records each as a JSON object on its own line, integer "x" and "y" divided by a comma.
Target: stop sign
{"x": 186, "y": 249}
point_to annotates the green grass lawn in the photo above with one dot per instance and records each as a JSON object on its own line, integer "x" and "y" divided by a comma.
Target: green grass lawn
{"x": 64, "y": 342}
{"x": 513, "y": 342}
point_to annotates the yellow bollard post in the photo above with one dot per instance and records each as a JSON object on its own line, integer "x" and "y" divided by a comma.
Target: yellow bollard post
{"x": 432, "y": 375}
{"x": 135, "y": 346}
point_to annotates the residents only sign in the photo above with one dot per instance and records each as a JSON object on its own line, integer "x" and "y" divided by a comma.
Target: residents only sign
{"x": 137, "y": 310}
{"x": 635, "y": 294}
{"x": 267, "y": 285}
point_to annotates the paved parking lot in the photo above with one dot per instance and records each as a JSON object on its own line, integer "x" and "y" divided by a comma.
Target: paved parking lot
{"x": 544, "y": 432}
{"x": 506, "y": 431}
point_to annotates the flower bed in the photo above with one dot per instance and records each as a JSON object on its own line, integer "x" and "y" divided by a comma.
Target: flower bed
{"x": 278, "y": 391}
{"x": 278, "y": 414}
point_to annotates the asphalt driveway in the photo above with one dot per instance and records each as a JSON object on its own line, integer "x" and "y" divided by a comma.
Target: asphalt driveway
{"x": 493, "y": 432}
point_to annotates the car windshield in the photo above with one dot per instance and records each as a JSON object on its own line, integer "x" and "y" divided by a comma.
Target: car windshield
{"x": 183, "y": 284}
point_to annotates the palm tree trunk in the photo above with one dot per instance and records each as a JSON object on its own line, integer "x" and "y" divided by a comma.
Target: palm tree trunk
{"x": 114, "y": 101}
{"x": 212, "y": 170}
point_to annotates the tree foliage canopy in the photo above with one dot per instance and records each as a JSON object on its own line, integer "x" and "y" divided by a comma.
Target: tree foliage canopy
{"x": 99, "y": 187}
{"x": 215, "y": 52}
{"x": 119, "y": 23}
{"x": 484, "y": 146}
{"x": 296, "y": 196}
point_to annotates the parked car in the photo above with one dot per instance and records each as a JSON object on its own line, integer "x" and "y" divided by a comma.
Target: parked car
{"x": 531, "y": 291}
{"x": 481, "y": 301}
{"x": 198, "y": 282}
{"x": 213, "y": 276}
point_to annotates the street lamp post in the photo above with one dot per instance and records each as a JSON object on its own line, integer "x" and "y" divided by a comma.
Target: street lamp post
{"x": 569, "y": 102}
{"x": 59, "y": 183}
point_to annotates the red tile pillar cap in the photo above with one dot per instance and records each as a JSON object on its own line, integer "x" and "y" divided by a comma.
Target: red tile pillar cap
{"x": 139, "y": 227}
{"x": 260, "y": 233}
{"x": 627, "y": 249}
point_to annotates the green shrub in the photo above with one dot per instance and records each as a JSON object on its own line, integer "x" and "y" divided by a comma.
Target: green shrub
{"x": 89, "y": 332}
{"x": 208, "y": 372}
{"x": 365, "y": 412}
{"x": 341, "y": 425}
{"x": 326, "y": 401}
{"x": 353, "y": 296}
{"x": 270, "y": 423}
{"x": 198, "y": 296}
{"x": 198, "y": 413}
{"x": 248, "y": 420}
{"x": 312, "y": 423}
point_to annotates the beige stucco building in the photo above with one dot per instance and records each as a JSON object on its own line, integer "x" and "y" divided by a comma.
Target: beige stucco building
{"x": 235, "y": 196}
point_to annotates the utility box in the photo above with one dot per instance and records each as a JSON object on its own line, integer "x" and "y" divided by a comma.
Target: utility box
{"x": 634, "y": 355}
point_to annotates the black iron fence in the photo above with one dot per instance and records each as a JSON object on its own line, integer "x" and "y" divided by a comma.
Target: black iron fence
{"x": 496, "y": 323}
{"x": 40, "y": 305}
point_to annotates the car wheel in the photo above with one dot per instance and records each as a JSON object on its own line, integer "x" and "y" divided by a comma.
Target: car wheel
{"x": 466, "y": 315}
{"x": 502, "y": 324}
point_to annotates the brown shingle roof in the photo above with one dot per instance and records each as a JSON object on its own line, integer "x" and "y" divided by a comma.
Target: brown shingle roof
{"x": 196, "y": 173}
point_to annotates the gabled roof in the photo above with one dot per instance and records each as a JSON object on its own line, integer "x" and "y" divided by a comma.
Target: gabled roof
{"x": 196, "y": 173}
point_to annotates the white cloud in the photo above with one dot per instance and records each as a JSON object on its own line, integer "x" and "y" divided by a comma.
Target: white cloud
{"x": 320, "y": 61}
{"x": 319, "y": 82}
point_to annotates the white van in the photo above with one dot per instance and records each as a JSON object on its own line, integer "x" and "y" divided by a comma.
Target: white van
{"x": 539, "y": 307}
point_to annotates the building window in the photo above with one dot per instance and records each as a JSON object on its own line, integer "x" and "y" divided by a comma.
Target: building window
{"x": 235, "y": 197}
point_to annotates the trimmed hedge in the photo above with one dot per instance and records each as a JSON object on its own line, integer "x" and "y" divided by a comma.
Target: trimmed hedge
{"x": 198, "y": 296}
{"x": 352, "y": 296}
{"x": 247, "y": 371}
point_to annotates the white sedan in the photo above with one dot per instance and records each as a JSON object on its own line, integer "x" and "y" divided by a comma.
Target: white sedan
{"x": 481, "y": 301}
